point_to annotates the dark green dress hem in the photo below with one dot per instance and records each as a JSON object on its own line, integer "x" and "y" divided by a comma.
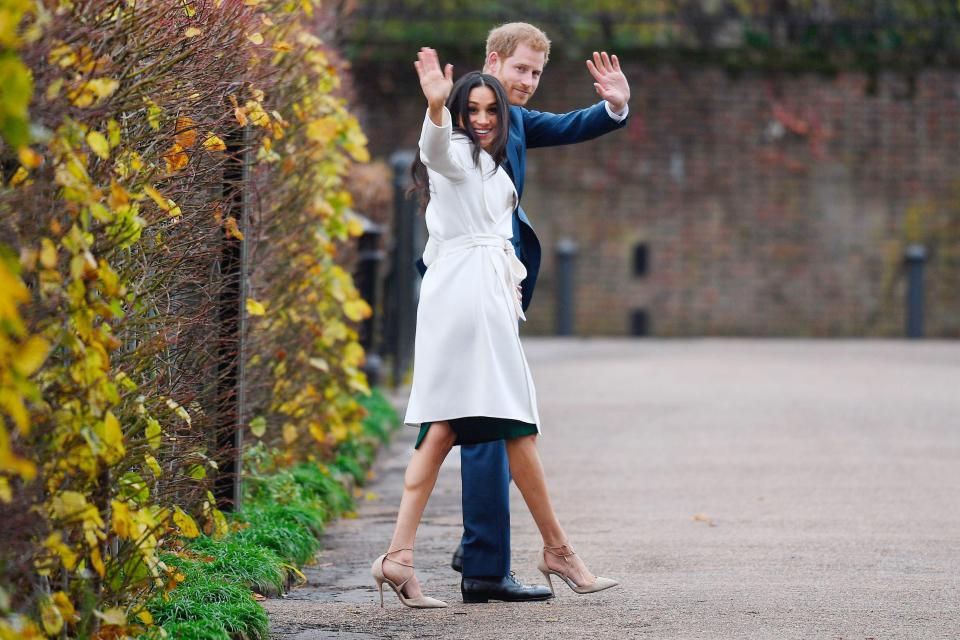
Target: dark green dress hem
{"x": 480, "y": 429}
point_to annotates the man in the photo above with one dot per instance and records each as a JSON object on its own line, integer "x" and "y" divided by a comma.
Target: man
{"x": 516, "y": 55}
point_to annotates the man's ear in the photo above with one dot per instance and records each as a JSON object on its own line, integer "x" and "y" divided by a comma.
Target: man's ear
{"x": 492, "y": 63}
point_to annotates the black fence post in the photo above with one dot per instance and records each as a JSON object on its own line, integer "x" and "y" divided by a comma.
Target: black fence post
{"x": 232, "y": 322}
{"x": 915, "y": 257}
{"x": 566, "y": 252}
{"x": 369, "y": 257}
{"x": 401, "y": 327}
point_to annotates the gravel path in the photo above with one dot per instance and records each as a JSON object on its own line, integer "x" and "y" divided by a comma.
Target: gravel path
{"x": 737, "y": 488}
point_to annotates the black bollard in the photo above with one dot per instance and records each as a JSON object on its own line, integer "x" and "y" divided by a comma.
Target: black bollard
{"x": 369, "y": 257}
{"x": 914, "y": 257}
{"x": 566, "y": 252}
{"x": 400, "y": 325}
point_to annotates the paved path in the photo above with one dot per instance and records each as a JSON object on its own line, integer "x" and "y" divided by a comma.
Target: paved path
{"x": 738, "y": 489}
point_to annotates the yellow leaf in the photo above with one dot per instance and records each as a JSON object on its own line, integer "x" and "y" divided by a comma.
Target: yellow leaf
{"x": 255, "y": 308}
{"x": 153, "y": 465}
{"x": 357, "y": 309}
{"x": 54, "y": 543}
{"x": 322, "y": 129}
{"x": 18, "y": 177}
{"x": 190, "y": 10}
{"x": 62, "y": 55}
{"x": 113, "y": 437}
{"x": 123, "y": 524}
{"x": 63, "y": 603}
{"x": 354, "y": 227}
{"x": 113, "y": 616}
{"x": 98, "y": 142}
{"x": 165, "y": 204}
{"x": 317, "y": 431}
{"x": 31, "y": 355}
{"x": 240, "y": 115}
{"x": 113, "y": 131}
{"x": 156, "y": 196}
{"x": 51, "y": 618}
{"x": 186, "y": 135}
{"x": 255, "y": 38}
{"x": 233, "y": 229}
{"x": 153, "y": 433}
{"x": 93, "y": 91}
{"x": 213, "y": 143}
{"x": 289, "y": 433}
{"x": 153, "y": 114}
{"x": 97, "y": 561}
{"x": 319, "y": 363}
{"x": 48, "y": 254}
{"x": 185, "y": 523}
{"x": 192, "y": 32}
{"x": 29, "y": 158}
{"x": 220, "y": 526}
{"x": 6, "y": 495}
{"x": 145, "y": 616}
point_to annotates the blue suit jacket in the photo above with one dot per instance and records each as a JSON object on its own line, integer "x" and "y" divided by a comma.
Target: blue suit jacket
{"x": 529, "y": 130}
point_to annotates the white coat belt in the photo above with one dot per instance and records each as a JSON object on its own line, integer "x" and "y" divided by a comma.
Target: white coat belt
{"x": 513, "y": 270}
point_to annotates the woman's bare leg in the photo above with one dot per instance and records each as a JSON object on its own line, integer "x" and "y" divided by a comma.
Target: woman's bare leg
{"x": 527, "y": 472}
{"x": 418, "y": 483}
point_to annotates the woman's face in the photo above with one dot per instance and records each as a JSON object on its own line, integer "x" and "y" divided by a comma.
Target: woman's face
{"x": 482, "y": 107}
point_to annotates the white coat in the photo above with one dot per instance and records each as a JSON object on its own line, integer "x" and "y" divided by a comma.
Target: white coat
{"x": 468, "y": 360}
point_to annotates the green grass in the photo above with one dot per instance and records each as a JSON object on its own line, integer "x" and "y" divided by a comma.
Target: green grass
{"x": 235, "y": 560}
{"x": 282, "y": 518}
{"x": 230, "y": 606}
{"x": 197, "y": 630}
{"x": 279, "y": 528}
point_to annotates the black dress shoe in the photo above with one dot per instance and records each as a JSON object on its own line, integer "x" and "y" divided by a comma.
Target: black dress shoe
{"x": 457, "y": 562}
{"x": 507, "y": 589}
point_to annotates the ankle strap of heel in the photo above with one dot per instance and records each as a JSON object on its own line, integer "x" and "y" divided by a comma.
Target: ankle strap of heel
{"x": 402, "y": 564}
{"x": 560, "y": 554}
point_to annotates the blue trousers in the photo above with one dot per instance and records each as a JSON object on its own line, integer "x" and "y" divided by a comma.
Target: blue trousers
{"x": 485, "y": 476}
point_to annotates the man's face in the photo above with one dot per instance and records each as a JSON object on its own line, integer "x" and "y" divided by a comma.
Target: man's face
{"x": 519, "y": 74}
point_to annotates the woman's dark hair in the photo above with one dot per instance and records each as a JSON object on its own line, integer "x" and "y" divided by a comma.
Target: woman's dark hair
{"x": 458, "y": 102}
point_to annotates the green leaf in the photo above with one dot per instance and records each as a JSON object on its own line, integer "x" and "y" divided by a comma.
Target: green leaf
{"x": 258, "y": 426}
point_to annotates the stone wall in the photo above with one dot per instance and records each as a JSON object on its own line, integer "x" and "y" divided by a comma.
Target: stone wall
{"x": 768, "y": 204}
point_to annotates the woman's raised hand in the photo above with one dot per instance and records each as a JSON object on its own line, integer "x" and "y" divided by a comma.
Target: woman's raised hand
{"x": 436, "y": 84}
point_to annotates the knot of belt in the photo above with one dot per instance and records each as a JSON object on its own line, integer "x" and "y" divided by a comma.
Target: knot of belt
{"x": 514, "y": 273}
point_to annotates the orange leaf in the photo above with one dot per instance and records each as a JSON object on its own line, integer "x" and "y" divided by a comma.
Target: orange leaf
{"x": 233, "y": 230}
{"x": 186, "y": 134}
{"x": 176, "y": 158}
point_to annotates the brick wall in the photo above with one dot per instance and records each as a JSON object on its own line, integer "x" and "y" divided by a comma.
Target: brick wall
{"x": 770, "y": 204}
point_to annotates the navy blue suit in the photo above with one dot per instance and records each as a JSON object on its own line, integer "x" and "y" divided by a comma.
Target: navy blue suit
{"x": 485, "y": 473}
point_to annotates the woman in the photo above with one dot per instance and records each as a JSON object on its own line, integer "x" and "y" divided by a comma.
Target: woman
{"x": 471, "y": 381}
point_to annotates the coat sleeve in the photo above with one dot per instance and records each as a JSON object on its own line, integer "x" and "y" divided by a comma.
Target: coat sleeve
{"x": 436, "y": 151}
{"x": 552, "y": 129}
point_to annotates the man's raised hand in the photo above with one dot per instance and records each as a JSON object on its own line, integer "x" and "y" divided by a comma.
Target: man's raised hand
{"x": 610, "y": 83}
{"x": 436, "y": 84}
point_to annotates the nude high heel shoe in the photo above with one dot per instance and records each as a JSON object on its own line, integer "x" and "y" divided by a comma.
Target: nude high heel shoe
{"x": 599, "y": 583}
{"x": 423, "y": 602}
